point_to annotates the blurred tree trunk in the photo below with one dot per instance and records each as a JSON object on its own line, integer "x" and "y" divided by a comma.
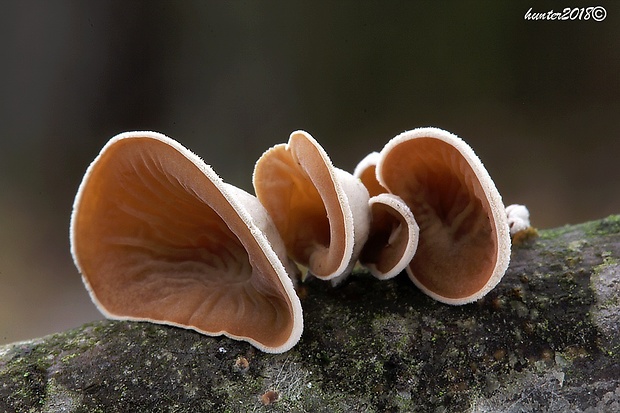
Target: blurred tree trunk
{"x": 546, "y": 339}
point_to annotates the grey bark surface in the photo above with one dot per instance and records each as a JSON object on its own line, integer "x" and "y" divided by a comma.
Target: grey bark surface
{"x": 545, "y": 339}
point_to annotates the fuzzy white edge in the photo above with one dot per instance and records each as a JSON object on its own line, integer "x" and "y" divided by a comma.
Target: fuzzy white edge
{"x": 399, "y": 207}
{"x": 368, "y": 161}
{"x": 358, "y": 197}
{"x": 495, "y": 201}
{"x": 244, "y": 214}
{"x": 353, "y": 200}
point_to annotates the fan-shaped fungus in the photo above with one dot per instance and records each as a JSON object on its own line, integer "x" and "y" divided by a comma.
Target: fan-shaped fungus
{"x": 366, "y": 172}
{"x": 464, "y": 245}
{"x": 159, "y": 237}
{"x": 320, "y": 211}
{"x": 393, "y": 237}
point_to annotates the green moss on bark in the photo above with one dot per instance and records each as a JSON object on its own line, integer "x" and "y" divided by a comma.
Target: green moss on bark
{"x": 545, "y": 339}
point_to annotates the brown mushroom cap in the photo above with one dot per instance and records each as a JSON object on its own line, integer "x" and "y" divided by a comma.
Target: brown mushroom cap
{"x": 393, "y": 237}
{"x": 320, "y": 211}
{"x": 464, "y": 245}
{"x": 394, "y": 233}
{"x": 158, "y": 237}
{"x": 366, "y": 172}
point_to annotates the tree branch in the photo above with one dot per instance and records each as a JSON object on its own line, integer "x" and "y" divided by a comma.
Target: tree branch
{"x": 545, "y": 339}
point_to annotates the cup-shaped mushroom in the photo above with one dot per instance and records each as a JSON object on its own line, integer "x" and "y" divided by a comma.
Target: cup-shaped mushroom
{"x": 159, "y": 237}
{"x": 366, "y": 172}
{"x": 464, "y": 245}
{"x": 320, "y": 211}
{"x": 393, "y": 237}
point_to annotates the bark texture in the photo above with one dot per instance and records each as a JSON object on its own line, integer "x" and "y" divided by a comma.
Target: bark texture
{"x": 545, "y": 339}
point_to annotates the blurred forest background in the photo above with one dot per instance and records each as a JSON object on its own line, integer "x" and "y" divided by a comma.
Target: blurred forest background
{"x": 539, "y": 101}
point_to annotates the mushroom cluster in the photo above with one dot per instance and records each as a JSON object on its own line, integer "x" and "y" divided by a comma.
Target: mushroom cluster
{"x": 158, "y": 236}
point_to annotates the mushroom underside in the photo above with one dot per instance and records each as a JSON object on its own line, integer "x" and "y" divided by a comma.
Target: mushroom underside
{"x": 457, "y": 250}
{"x": 393, "y": 237}
{"x": 366, "y": 172}
{"x": 157, "y": 240}
{"x": 294, "y": 183}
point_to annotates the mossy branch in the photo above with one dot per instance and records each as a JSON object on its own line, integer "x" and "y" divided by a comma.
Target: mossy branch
{"x": 545, "y": 339}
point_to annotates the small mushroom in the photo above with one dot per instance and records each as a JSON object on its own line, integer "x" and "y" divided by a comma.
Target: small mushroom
{"x": 519, "y": 222}
{"x": 366, "y": 172}
{"x": 518, "y": 218}
{"x": 159, "y": 237}
{"x": 320, "y": 211}
{"x": 393, "y": 237}
{"x": 464, "y": 245}
{"x": 394, "y": 233}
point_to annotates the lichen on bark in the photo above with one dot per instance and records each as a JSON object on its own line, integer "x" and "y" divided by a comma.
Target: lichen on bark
{"x": 545, "y": 339}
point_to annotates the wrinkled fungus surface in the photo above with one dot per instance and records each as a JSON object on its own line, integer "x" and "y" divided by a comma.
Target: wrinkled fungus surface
{"x": 464, "y": 245}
